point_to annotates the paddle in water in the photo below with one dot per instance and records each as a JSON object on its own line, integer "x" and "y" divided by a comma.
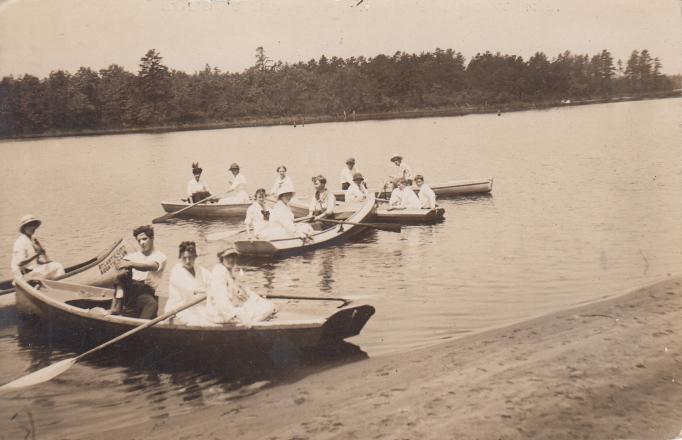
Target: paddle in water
{"x": 54, "y": 370}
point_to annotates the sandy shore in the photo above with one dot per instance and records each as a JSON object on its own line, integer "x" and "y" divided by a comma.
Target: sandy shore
{"x": 610, "y": 370}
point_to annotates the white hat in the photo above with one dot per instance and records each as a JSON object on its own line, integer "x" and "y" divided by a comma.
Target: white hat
{"x": 28, "y": 219}
{"x": 285, "y": 188}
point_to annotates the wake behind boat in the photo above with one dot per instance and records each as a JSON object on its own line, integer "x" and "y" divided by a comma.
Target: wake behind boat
{"x": 299, "y": 322}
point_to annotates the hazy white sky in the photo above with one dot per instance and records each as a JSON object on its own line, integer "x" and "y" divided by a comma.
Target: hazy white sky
{"x": 37, "y": 36}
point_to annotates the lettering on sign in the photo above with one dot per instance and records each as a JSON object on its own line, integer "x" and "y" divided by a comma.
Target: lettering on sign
{"x": 112, "y": 260}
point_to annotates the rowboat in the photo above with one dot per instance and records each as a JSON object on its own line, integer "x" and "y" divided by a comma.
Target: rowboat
{"x": 334, "y": 234}
{"x": 87, "y": 271}
{"x": 409, "y": 216}
{"x": 207, "y": 210}
{"x": 453, "y": 188}
{"x": 299, "y": 322}
{"x": 342, "y": 210}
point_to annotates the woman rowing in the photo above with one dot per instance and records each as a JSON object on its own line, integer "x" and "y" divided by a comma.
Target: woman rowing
{"x": 28, "y": 255}
{"x": 238, "y": 188}
{"x": 197, "y": 190}
{"x": 357, "y": 192}
{"x": 427, "y": 197}
{"x": 323, "y": 201}
{"x": 403, "y": 197}
{"x": 257, "y": 215}
{"x": 282, "y": 179}
{"x": 281, "y": 224}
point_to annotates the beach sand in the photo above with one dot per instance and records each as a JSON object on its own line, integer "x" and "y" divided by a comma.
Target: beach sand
{"x": 607, "y": 370}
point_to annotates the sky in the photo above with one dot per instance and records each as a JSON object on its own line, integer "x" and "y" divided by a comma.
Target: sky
{"x": 39, "y": 36}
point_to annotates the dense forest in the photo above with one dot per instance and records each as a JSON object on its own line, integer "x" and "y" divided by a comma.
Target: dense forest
{"x": 114, "y": 99}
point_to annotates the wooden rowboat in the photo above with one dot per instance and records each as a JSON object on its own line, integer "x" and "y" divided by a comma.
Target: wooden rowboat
{"x": 410, "y": 216}
{"x": 280, "y": 247}
{"x": 342, "y": 210}
{"x": 87, "y": 271}
{"x": 207, "y": 210}
{"x": 299, "y": 322}
{"x": 453, "y": 188}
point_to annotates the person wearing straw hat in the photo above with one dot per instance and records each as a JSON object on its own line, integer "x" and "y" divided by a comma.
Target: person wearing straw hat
{"x": 196, "y": 190}
{"x": 281, "y": 223}
{"x": 347, "y": 173}
{"x": 28, "y": 255}
{"x": 402, "y": 170}
{"x": 357, "y": 192}
{"x": 238, "y": 187}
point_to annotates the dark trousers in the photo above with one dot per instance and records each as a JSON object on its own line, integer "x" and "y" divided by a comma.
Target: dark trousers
{"x": 201, "y": 195}
{"x": 139, "y": 299}
{"x": 345, "y": 186}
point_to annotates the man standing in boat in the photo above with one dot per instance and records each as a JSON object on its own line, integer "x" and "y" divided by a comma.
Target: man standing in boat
{"x": 347, "y": 173}
{"x": 402, "y": 170}
{"x": 139, "y": 276}
{"x": 28, "y": 255}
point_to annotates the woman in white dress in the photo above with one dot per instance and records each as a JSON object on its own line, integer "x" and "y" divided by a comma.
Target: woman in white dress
{"x": 357, "y": 192}
{"x": 282, "y": 180}
{"x": 227, "y": 301}
{"x": 281, "y": 223}
{"x": 257, "y": 215}
{"x": 186, "y": 280}
{"x": 404, "y": 197}
{"x": 237, "y": 188}
{"x": 196, "y": 190}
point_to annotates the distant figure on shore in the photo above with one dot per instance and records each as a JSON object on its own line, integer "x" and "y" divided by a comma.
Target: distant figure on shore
{"x": 29, "y": 258}
{"x": 238, "y": 187}
{"x": 138, "y": 277}
{"x": 323, "y": 201}
{"x": 197, "y": 190}
{"x": 281, "y": 180}
{"x": 402, "y": 170}
{"x": 347, "y": 173}
{"x": 186, "y": 280}
{"x": 403, "y": 197}
{"x": 257, "y": 215}
{"x": 357, "y": 192}
{"x": 281, "y": 223}
{"x": 427, "y": 197}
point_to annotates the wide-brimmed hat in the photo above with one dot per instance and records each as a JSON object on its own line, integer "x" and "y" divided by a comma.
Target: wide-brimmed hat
{"x": 358, "y": 176}
{"x": 234, "y": 166}
{"x": 350, "y": 160}
{"x": 227, "y": 252}
{"x": 284, "y": 188}
{"x": 27, "y": 220}
{"x": 396, "y": 157}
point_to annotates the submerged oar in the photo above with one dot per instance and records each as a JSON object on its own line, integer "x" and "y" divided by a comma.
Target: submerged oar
{"x": 54, "y": 370}
{"x": 168, "y": 215}
{"x": 390, "y": 227}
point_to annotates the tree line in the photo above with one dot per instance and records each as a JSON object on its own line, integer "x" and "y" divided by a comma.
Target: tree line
{"x": 157, "y": 96}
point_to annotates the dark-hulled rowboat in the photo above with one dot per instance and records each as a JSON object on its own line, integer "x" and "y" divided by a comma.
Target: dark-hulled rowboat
{"x": 409, "y": 216}
{"x": 299, "y": 322}
{"x": 453, "y": 188}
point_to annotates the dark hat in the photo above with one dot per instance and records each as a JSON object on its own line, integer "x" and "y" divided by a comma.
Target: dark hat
{"x": 234, "y": 166}
{"x": 350, "y": 160}
{"x": 196, "y": 169}
{"x": 396, "y": 157}
{"x": 358, "y": 176}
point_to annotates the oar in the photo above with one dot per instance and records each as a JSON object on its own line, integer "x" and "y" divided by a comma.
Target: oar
{"x": 390, "y": 227}
{"x": 168, "y": 215}
{"x": 345, "y": 301}
{"x": 216, "y": 236}
{"x": 54, "y": 370}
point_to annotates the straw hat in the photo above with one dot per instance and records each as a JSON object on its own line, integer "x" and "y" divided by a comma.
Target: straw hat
{"x": 284, "y": 188}
{"x": 234, "y": 166}
{"x": 227, "y": 252}
{"x": 27, "y": 220}
{"x": 396, "y": 157}
{"x": 358, "y": 176}
{"x": 350, "y": 160}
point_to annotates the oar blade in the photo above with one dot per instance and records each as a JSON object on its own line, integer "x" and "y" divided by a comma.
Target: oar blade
{"x": 163, "y": 218}
{"x": 40, "y": 376}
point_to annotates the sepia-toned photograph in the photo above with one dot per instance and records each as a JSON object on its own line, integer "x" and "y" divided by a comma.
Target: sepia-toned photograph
{"x": 341, "y": 219}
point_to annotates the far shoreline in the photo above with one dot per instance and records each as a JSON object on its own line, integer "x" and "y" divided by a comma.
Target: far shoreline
{"x": 392, "y": 115}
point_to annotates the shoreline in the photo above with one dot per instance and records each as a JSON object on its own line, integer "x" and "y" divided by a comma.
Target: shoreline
{"x": 605, "y": 370}
{"x": 302, "y": 120}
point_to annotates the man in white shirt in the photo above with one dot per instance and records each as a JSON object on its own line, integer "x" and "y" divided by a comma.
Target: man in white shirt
{"x": 347, "y": 173}
{"x": 28, "y": 256}
{"x": 139, "y": 276}
{"x": 426, "y": 195}
{"x": 403, "y": 197}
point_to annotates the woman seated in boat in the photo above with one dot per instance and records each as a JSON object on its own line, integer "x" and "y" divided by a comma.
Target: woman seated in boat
{"x": 282, "y": 179}
{"x": 227, "y": 301}
{"x": 281, "y": 223}
{"x": 237, "y": 188}
{"x": 403, "y": 197}
{"x": 402, "y": 170}
{"x": 186, "y": 280}
{"x": 196, "y": 190}
{"x": 322, "y": 203}
{"x": 427, "y": 197}
{"x": 257, "y": 215}
{"x": 357, "y": 192}
{"x": 28, "y": 255}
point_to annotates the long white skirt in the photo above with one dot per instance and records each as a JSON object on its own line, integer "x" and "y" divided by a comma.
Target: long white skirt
{"x": 236, "y": 198}
{"x": 47, "y": 271}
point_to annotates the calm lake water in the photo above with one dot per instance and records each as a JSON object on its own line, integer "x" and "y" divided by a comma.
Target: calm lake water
{"x": 586, "y": 205}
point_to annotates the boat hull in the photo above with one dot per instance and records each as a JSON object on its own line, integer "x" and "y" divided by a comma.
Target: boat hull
{"x": 207, "y": 210}
{"x": 410, "y": 216}
{"x": 455, "y": 188}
